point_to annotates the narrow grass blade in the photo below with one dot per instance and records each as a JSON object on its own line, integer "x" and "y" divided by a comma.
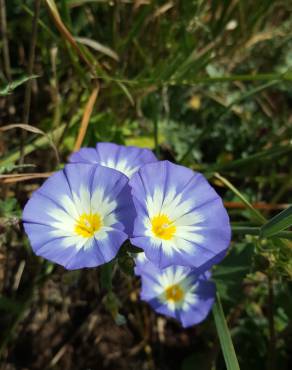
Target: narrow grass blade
{"x": 256, "y": 214}
{"x": 224, "y": 336}
{"x": 267, "y": 154}
{"x": 39, "y": 142}
{"x": 17, "y": 177}
{"x": 65, "y": 32}
{"x": 126, "y": 92}
{"x": 251, "y": 230}
{"x": 156, "y": 140}
{"x": 98, "y": 47}
{"x": 278, "y": 223}
{"x": 35, "y": 130}
{"x": 8, "y": 89}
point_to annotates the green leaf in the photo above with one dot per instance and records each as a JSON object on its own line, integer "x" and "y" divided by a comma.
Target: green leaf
{"x": 120, "y": 319}
{"x": 126, "y": 264}
{"x": 126, "y": 91}
{"x": 6, "y": 90}
{"x": 110, "y": 300}
{"x": 112, "y": 304}
{"x": 37, "y": 143}
{"x": 224, "y": 336}
{"x": 98, "y": 47}
{"x": 278, "y": 223}
{"x": 229, "y": 275}
{"x": 9, "y": 207}
{"x": 256, "y": 158}
{"x": 251, "y": 230}
{"x": 106, "y": 275}
{"x": 9, "y": 305}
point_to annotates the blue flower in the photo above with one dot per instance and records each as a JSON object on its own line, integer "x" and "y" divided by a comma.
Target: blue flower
{"x": 80, "y": 216}
{"x": 180, "y": 219}
{"x": 176, "y": 291}
{"x": 126, "y": 159}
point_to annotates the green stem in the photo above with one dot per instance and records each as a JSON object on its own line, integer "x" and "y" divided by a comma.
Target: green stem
{"x": 251, "y": 230}
{"x": 156, "y": 142}
{"x": 254, "y": 212}
{"x": 224, "y": 336}
{"x": 272, "y": 339}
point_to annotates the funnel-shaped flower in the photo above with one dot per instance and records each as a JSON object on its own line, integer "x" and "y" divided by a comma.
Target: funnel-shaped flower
{"x": 176, "y": 291}
{"x": 180, "y": 219}
{"x": 126, "y": 159}
{"x": 80, "y": 216}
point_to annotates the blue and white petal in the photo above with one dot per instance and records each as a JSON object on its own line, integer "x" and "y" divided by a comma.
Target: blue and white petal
{"x": 181, "y": 219}
{"x": 141, "y": 263}
{"x": 177, "y": 291}
{"x": 80, "y": 216}
{"x": 126, "y": 159}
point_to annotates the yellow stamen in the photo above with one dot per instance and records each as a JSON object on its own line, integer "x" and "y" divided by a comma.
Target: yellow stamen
{"x": 163, "y": 227}
{"x": 174, "y": 293}
{"x": 88, "y": 224}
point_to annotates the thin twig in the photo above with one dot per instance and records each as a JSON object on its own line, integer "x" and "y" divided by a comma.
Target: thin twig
{"x": 259, "y": 205}
{"x": 38, "y": 280}
{"x": 86, "y": 117}
{"x": 156, "y": 139}
{"x": 6, "y": 56}
{"x": 27, "y": 96}
{"x": 272, "y": 342}
{"x": 6, "y": 179}
{"x": 89, "y": 324}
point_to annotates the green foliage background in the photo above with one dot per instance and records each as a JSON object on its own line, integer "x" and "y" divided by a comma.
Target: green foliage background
{"x": 206, "y": 84}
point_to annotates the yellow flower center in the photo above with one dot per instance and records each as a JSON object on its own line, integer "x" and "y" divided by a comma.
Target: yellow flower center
{"x": 174, "y": 293}
{"x": 163, "y": 227}
{"x": 88, "y": 224}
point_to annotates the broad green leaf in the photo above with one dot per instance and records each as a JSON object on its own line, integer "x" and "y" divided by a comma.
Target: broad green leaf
{"x": 224, "y": 336}
{"x": 278, "y": 223}
{"x": 141, "y": 141}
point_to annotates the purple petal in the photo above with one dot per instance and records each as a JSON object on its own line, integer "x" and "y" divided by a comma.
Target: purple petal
{"x": 126, "y": 159}
{"x": 202, "y": 294}
{"x": 53, "y": 212}
{"x": 202, "y": 233}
